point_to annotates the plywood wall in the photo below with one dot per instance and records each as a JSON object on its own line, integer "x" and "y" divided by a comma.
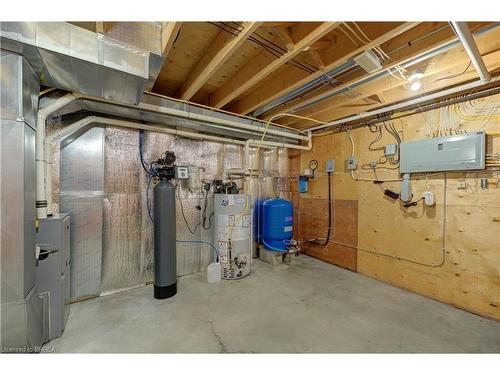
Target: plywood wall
{"x": 368, "y": 225}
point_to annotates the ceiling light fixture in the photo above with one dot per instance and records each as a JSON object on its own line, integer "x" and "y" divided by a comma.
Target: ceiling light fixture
{"x": 414, "y": 81}
{"x": 415, "y": 85}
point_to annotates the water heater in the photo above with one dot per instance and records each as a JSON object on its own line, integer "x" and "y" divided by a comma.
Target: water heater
{"x": 233, "y": 234}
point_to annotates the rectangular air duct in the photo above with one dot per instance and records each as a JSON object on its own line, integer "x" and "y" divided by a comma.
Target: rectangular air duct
{"x": 74, "y": 59}
{"x": 369, "y": 61}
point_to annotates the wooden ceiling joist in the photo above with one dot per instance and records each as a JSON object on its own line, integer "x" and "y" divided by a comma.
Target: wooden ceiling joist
{"x": 285, "y": 82}
{"x": 220, "y": 51}
{"x": 169, "y": 31}
{"x": 263, "y": 65}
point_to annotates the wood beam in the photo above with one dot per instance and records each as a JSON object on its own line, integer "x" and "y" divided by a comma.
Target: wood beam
{"x": 317, "y": 58}
{"x": 169, "y": 31}
{"x": 263, "y": 65}
{"x": 220, "y": 51}
{"x": 283, "y": 83}
{"x": 285, "y": 37}
{"x": 99, "y": 27}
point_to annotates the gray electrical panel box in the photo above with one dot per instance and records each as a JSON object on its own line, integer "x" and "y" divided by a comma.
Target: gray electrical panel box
{"x": 52, "y": 270}
{"x": 453, "y": 153}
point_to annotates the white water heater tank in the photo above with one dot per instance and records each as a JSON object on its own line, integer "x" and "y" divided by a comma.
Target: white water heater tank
{"x": 233, "y": 234}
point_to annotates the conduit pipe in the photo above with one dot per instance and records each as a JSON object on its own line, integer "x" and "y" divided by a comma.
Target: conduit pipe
{"x": 90, "y": 120}
{"x": 408, "y": 103}
{"x": 464, "y": 34}
{"x": 43, "y": 114}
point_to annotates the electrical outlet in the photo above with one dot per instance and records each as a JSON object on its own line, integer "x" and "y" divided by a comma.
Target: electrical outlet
{"x": 352, "y": 163}
{"x": 462, "y": 185}
{"x": 373, "y": 164}
{"x": 390, "y": 150}
{"x": 428, "y": 198}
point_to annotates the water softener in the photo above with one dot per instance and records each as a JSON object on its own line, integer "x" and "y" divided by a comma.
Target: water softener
{"x": 165, "y": 284}
{"x": 165, "y": 256}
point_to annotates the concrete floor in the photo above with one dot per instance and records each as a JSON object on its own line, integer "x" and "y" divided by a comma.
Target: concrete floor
{"x": 310, "y": 307}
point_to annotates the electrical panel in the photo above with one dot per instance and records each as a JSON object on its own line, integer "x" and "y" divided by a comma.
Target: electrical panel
{"x": 181, "y": 172}
{"x": 352, "y": 163}
{"x": 453, "y": 153}
{"x": 330, "y": 165}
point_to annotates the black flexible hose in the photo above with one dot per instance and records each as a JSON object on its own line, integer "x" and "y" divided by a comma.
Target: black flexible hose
{"x": 329, "y": 215}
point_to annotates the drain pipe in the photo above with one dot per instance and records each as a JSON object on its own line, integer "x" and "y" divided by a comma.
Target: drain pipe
{"x": 43, "y": 113}
{"x": 464, "y": 34}
{"x": 306, "y": 147}
{"x": 271, "y": 144}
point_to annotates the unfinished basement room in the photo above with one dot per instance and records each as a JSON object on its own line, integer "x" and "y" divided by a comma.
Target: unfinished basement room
{"x": 206, "y": 186}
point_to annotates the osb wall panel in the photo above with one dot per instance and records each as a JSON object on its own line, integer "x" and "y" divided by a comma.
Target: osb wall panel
{"x": 469, "y": 276}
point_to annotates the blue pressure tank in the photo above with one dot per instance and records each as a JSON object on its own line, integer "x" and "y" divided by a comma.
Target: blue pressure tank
{"x": 277, "y": 224}
{"x": 257, "y": 220}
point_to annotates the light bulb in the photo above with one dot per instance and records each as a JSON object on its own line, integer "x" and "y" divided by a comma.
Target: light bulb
{"x": 415, "y": 85}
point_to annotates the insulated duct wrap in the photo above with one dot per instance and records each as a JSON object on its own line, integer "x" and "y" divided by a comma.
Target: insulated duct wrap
{"x": 81, "y": 194}
{"x": 121, "y": 256}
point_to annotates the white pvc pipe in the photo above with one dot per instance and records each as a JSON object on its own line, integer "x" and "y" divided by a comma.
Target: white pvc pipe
{"x": 43, "y": 113}
{"x": 464, "y": 34}
{"x": 420, "y": 99}
{"x": 307, "y": 147}
{"x": 249, "y": 142}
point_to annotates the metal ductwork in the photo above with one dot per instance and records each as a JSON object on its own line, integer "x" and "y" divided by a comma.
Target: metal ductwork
{"x": 71, "y": 58}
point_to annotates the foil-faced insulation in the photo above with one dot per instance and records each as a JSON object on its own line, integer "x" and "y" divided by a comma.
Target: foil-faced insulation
{"x": 81, "y": 193}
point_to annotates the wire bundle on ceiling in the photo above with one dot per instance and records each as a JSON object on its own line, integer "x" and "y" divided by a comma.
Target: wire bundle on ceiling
{"x": 234, "y": 28}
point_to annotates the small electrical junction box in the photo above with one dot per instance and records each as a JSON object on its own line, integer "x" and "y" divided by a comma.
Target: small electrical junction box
{"x": 181, "y": 172}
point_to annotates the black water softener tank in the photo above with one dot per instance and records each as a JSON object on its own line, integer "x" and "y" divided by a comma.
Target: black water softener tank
{"x": 165, "y": 284}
